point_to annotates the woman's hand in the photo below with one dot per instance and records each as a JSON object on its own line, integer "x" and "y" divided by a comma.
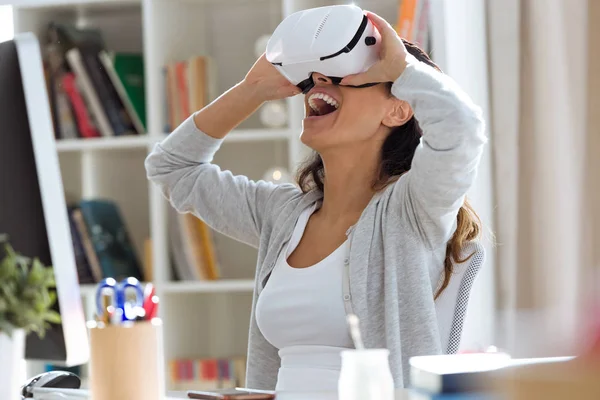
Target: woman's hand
{"x": 392, "y": 56}
{"x": 266, "y": 83}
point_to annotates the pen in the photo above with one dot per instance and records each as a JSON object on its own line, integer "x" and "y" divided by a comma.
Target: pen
{"x": 106, "y": 304}
{"x": 106, "y": 316}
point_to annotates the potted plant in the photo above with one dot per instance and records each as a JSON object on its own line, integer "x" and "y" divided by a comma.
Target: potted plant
{"x": 26, "y": 302}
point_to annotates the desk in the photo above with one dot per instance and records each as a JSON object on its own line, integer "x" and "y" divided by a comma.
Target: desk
{"x": 401, "y": 394}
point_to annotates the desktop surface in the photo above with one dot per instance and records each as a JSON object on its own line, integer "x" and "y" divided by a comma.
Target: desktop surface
{"x": 401, "y": 394}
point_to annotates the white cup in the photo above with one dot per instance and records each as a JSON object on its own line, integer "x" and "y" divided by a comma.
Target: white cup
{"x": 365, "y": 375}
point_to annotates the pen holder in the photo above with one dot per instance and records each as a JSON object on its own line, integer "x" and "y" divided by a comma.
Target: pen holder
{"x": 126, "y": 361}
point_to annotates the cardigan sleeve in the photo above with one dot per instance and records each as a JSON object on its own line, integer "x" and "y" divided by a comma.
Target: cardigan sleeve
{"x": 445, "y": 163}
{"x": 181, "y": 166}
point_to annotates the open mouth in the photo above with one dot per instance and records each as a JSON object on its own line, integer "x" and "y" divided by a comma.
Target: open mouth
{"x": 320, "y": 104}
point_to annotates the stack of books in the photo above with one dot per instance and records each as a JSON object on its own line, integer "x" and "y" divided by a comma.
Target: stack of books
{"x": 190, "y": 85}
{"x": 192, "y": 248}
{"x": 93, "y": 92}
{"x": 207, "y": 373}
{"x": 101, "y": 242}
{"x": 413, "y": 22}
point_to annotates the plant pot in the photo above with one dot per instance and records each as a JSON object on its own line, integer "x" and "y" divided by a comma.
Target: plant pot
{"x": 12, "y": 364}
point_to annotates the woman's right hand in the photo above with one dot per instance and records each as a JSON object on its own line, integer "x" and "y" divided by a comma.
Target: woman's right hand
{"x": 266, "y": 83}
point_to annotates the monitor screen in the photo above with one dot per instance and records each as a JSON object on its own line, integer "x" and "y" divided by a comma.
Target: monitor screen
{"x": 33, "y": 211}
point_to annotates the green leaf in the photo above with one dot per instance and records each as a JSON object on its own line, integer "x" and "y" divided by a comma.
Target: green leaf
{"x": 36, "y": 274}
{"x": 52, "y": 316}
{"x": 52, "y": 298}
{"x": 25, "y": 299}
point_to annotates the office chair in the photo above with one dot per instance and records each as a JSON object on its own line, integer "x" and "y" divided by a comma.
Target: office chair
{"x": 451, "y": 305}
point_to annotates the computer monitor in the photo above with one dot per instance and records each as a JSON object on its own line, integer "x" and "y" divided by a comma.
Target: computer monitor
{"x": 33, "y": 209}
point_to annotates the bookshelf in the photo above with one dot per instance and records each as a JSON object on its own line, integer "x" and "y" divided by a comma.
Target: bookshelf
{"x": 201, "y": 318}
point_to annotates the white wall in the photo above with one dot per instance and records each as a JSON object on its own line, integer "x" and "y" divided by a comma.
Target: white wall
{"x": 460, "y": 49}
{"x": 504, "y": 34}
{"x": 6, "y": 23}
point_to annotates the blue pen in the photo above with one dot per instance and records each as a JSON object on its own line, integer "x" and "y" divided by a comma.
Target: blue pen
{"x": 121, "y": 308}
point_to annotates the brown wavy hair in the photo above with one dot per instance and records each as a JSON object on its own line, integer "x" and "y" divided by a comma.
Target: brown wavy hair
{"x": 396, "y": 158}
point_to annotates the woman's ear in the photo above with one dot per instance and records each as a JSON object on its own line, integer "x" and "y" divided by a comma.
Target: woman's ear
{"x": 400, "y": 112}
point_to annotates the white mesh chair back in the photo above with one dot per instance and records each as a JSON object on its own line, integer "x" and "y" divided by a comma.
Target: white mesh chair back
{"x": 451, "y": 305}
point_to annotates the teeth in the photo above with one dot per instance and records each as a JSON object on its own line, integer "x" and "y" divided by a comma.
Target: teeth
{"x": 328, "y": 99}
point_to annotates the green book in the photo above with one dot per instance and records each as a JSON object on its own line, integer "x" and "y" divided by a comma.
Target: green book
{"x": 130, "y": 69}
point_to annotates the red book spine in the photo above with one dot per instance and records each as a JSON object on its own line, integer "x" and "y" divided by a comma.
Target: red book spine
{"x": 190, "y": 369}
{"x": 210, "y": 370}
{"x": 181, "y": 71}
{"x": 82, "y": 117}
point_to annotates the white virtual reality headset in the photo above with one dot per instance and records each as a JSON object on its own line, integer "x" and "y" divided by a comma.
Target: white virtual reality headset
{"x": 335, "y": 41}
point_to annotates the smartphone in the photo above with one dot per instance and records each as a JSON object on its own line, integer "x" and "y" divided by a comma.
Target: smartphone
{"x": 229, "y": 394}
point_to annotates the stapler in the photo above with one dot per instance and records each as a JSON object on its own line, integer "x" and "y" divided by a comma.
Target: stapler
{"x": 52, "y": 379}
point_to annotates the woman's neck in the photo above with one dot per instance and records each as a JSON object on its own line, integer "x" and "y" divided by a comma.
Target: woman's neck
{"x": 348, "y": 185}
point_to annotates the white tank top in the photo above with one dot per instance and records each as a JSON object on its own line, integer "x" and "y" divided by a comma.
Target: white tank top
{"x": 301, "y": 312}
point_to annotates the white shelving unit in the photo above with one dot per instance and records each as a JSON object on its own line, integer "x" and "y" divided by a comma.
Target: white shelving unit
{"x": 200, "y": 318}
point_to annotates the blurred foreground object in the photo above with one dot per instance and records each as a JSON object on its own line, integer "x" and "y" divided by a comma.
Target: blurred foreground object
{"x": 578, "y": 379}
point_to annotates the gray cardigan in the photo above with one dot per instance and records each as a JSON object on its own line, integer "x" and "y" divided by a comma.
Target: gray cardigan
{"x": 398, "y": 245}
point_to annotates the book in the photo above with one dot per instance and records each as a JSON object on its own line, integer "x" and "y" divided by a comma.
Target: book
{"x": 454, "y": 373}
{"x": 110, "y": 239}
{"x": 182, "y": 270}
{"x": 209, "y": 257}
{"x": 190, "y": 85}
{"x": 60, "y": 39}
{"x": 110, "y": 101}
{"x": 130, "y": 69}
{"x": 407, "y": 19}
{"x": 87, "y": 129}
{"x": 93, "y": 92}
{"x": 63, "y": 117}
{"x": 421, "y": 25}
{"x": 206, "y": 373}
{"x": 124, "y": 96}
{"x": 84, "y": 271}
{"x": 86, "y": 86}
{"x": 460, "y": 373}
{"x": 192, "y": 246}
{"x": 88, "y": 248}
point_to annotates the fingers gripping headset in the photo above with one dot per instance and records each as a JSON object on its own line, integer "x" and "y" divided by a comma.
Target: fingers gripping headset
{"x": 335, "y": 41}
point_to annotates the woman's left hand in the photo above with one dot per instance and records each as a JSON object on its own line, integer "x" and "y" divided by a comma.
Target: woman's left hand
{"x": 392, "y": 56}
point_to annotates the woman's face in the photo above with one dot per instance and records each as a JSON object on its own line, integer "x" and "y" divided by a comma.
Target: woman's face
{"x": 337, "y": 115}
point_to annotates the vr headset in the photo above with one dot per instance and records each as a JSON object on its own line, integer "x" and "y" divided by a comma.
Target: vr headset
{"x": 335, "y": 41}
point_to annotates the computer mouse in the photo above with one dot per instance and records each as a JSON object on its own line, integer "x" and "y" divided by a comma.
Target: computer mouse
{"x": 52, "y": 379}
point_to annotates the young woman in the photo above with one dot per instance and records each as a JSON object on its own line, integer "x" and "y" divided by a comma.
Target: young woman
{"x": 378, "y": 217}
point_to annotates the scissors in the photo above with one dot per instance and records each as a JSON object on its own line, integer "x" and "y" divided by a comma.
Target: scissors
{"x": 121, "y": 307}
